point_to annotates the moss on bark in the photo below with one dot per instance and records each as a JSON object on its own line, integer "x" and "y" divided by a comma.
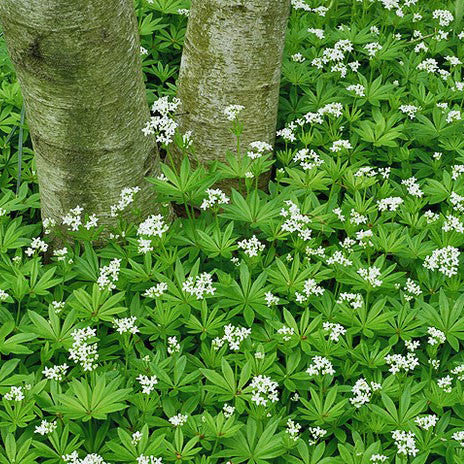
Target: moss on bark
{"x": 78, "y": 63}
{"x": 232, "y": 56}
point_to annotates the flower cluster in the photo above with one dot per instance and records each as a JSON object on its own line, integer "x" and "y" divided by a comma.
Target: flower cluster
{"x": 263, "y": 390}
{"x": 199, "y": 286}
{"x": 81, "y": 351}
{"x": 233, "y": 336}
{"x": 161, "y": 122}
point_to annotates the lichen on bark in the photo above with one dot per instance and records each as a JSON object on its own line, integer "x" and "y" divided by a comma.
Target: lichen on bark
{"x": 78, "y": 63}
{"x": 232, "y": 56}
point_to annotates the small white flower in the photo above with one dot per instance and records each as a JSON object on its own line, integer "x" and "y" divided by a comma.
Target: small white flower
{"x": 232, "y": 111}
{"x": 45, "y": 427}
{"x": 199, "y": 286}
{"x": 147, "y": 383}
{"x": 215, "y": 197}
{"x": 157, "y": 290}
{"x": 179, "y": 420}
{"x": 126, "y": 325}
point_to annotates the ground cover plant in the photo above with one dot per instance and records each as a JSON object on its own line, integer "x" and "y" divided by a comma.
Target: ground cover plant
{"x": 319, "y": 321}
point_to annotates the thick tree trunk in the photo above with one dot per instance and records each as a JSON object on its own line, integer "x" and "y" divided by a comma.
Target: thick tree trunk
{"x": 78, "y": 63}
{"x": 232, "y": 56}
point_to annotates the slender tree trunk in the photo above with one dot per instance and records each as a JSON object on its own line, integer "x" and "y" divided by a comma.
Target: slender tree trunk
{"x": 78, "y": 63}
{"x": 232, "y": 56}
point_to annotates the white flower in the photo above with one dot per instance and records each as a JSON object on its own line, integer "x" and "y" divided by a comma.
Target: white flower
{"x": 339, "y": 258}
{"x": 271, "y": 299}
{"x": 413, "y": 187}
{"x": 142, "y": 459}
{"x": 233, "y": 336}
{"x": 412, "y": 345}
{"x": 335, "y": 330}
{"x": 183, "y": 12}
{"x": 45, "y": 427}
{"x": 15, "y": 394}
{"x": 358, "y": 89}
{"x": 436, "y": 336}
{"x": 147, "y": 383}
{"x": 354, "y": 299}
{"x": 298, "y": 57}
{"x": 109, "y": 275}
{"x": 371, "y": 275}
{"x": 295, "y": 221}
{"x": 430, "y": 216}
{"x": 73, "y": 458}
{"x": 445, "y": 17}
{"x": 357, "y": 218}
{"x": 308, "y": 159}
{"x": 173, "y": 345}
{"x": 228, "y": 410}
{"x": 199, "y": 286}
{"x": 263, "y": 390}
{"x": 426, "y": 422}
{"x": 410, "y": 110}
{"x": 125, "y": 199}
{"x": 398, "y": 362}
{"x": 445, "y": 260}
{"x": 60, "y": 254}
{"x": 445, "y": 383}
{"x": 215, "y": 197}
{"x": 126, "y": 325}
{"x": 389, "y": 204}
{"x": 320, "y": 366}
{"x": 293, "y": 429}
{"x": 339, "y": 145}
{"x": 316, "y": 433}
{"x": 310, "y": 288}
{"x": 82, "y": 352}
{"x": 319, "y": 33}
{"x": 136, "y": 437}
{"x": 457, "y": 170}
{"x": 56, "y": 372}
{"x": 252, "y": 246}
{"x": 362, "y": 392}
{"x": 453, "y": 115}
{"x": 412, "y": 289}
{"x": 288, "y": 133}
{"x": 153, "y": 226}
{"x": 161, "y": 122}
{"x": 73, "y": 219}
{"x": 459, "y": 372}
{"x": 287, "y": 332}
{"x": 405, "y": 442}
{"x": 232, "y": 111}
{"x": 459, "y": 436}
{"x": 372, "y": 48}
{"x": 157, "y": 290}
{"x": 36, "y": 245}
{"x": 429, "y": 65}
{"x": 457, "y": 201}
{"x": 378, "y": 458}
{"x": 3, "y": 295}
{"x": 48, "y": 224}
{"x": 178, "y": 421}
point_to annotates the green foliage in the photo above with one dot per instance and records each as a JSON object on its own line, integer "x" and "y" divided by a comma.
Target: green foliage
{"x": 316, "y": 321}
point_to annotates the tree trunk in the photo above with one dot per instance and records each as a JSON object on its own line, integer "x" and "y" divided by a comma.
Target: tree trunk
{"x": 232, "y": 56}
{"x": 78, "y": 63}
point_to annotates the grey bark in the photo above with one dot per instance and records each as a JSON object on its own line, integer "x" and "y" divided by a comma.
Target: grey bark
{"x": 78, "y": 63}
{"x": 232, "y": 56}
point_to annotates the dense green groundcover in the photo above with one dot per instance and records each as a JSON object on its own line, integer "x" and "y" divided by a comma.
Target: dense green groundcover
{"x": 318, "y": 322}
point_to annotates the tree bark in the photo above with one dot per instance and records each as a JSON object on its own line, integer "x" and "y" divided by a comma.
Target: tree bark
{"x": 232, "y": 56}
{"x": 78, "y": 63}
